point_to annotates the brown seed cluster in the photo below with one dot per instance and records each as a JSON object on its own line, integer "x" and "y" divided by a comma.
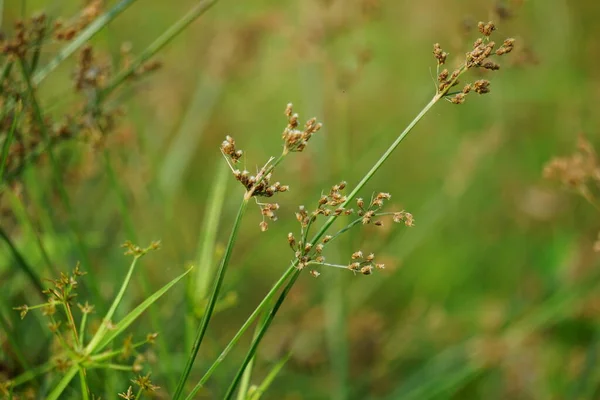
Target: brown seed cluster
{"x": 67, "y": 31}
{"x": 478, "y": 57}
{"x": 362, "y": 264}
{"x": 33, "y": 137}
{"x": 89, "y": 74}
{"x": 259, "y": 185}
{"x": 579, "y": 171}
{"x": 27, "y": 34}
{"x": 332, "y": 204}
{"x": 293, "y": 138}
{"x": 268, "y": 211}
{"x": 228, "y": 148}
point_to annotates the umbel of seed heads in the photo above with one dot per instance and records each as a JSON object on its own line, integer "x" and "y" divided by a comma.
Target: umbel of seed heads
{"x": 331, "y": 204}
{"x": 259, "y": 184}
{"x": 293, "y": 138}
{"x": 478, "y": 57}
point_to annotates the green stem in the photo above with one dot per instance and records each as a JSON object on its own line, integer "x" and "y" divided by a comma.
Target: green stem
{"x": 107, "y": 318}
{"x": 262, "y": 332}
{"x": 31, "y": 274}
{"x": 157, "y": 45}
{"x": 220, "y": 275}
{"x": 144, "y": 283}
{"x": 84, "y": 386}
{"x": 8, "y": 142}
{"x": 295, "y": 272}
{"x": 80, "y": 40}
{"x": 245, "y": 385}
{"x": 6, "y": 68}
{"x": 263, "y": 304}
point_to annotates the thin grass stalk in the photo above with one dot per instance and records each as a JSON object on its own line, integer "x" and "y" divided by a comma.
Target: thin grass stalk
{"x": 27, "y": 219}
{"x": 81, "y": 39}
{"x": 85, "y": 391}
{"x": 208, "y": 236}
{"x": 14, "y": 345}
{"x": 199, "y": 283}
{"x": 111, "y": 311}
{"x": 8, "y": 142}
{"x": 6, "y": 68}
{"x": 22, "y": 263}
{"x": 295, "y": 272}
{"x": 220, "y": 275}
{"x": 335, "y": 303}
{"x": 261, "y": 333}
{"x": 263, "y": 305}
{"x": 164, "y": 353}
{"x": 157, "y": 45}
{"x": 245, "y": 385}
{"x": 262, "y": 388}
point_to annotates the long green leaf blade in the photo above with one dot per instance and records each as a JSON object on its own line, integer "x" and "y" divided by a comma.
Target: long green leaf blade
{"x": 136, "y": 312}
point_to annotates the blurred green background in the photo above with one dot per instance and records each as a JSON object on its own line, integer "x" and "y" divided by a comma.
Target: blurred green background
{"x": 493, "y": 294}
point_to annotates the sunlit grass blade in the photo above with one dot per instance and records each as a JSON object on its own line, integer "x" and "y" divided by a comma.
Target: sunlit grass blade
{"x": 85, "y": 391}
{"x": 208, "y": 235}
{"x": 135, "y": 313}
{"x": 109, "y": 314}
{"x": 260, "y": 308}
{"x": 32, "y": 373}
{"x": 81, "y": 39}
{"x": 63, "y": 383}
{"x": 247, "y": 377}
{"x": 261, "y": 332}
{"x": 257, "y": 393}
{"x": 218, "y": 281}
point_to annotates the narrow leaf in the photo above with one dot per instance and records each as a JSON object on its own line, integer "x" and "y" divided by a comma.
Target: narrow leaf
{"x": 136, "y": 312}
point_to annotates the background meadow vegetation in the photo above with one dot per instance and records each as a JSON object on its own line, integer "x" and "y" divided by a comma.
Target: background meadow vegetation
{"x": 495, "y": 293}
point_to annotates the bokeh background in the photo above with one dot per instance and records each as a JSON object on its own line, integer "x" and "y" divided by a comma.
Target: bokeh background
{"x": 493, "y": 294}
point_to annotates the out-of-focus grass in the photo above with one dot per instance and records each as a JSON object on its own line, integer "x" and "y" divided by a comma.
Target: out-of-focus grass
{"x": 491, "y": 295}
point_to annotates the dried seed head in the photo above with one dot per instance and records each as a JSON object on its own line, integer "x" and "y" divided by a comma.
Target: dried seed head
{"x": 486, "y": 29}
{"x": 315, "y": 273}
{"x": 458, "y": 99}
{"x": 355, "y": 266}
{"x": 327, "y": 238}
{"x": 405, "y": 217}
{"x": 292, "y": 240}
{"x": 370, "y": 257}
{"x": 481, "y": 86}
{"x": 490, "y": 65}
{"x": 506, "y": 47}
{"x": 263, "y": 226}
{"x": 357, "y": 254}
{"x": 319, "y": 248}
{"x": 289, "y": 110}
{"x": 443, "y": 76}
{"x": 439, "y": 54}
{"x": 228, "y": 148}
{"x": 366, "y": 270}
